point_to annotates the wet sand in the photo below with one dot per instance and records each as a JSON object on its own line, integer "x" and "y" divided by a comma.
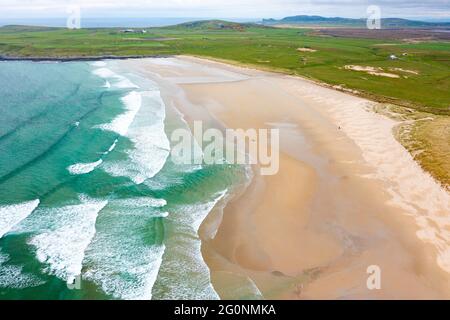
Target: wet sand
{"x": 347, "y": 195}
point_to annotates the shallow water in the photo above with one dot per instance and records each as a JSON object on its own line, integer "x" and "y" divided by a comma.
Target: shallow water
{"x": 88, "y": 192}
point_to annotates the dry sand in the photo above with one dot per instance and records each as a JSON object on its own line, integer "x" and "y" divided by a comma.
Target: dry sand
{"x": 372, "y": 71}
{"x": 347, "y": 195}
{"x": 306, "y": 50}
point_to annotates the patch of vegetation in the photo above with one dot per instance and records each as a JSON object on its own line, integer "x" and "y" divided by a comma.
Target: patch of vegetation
{"x": 426, "y": 136}
{"x": 212, "y": 25}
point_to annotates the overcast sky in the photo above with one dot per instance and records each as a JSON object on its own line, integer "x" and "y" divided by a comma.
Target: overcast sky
{"x": 222, "y": 8}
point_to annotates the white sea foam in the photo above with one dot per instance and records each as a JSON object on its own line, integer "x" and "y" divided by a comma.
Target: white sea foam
{"x": 3, "y": 258}
{"x": 141, "y": 202}
{"x": 62, "y": 235}
{"x": 11, "y": 215}
{"x": 99, "y": 64}
{"x": 151, "y": 145}
{"x": 130, "y": 276}
{"x": 13, "y": 277}
{"x": 192, "y": 279}
{"x": 151, "y": 151}
{"x": 113, "y": 146}
{"x": 113, "y": 79}
{"x": 104, "y": 73}
{"x": 83, "y": 168}
{"x": 122, "y": 122}
{"x": 120, "y": 258}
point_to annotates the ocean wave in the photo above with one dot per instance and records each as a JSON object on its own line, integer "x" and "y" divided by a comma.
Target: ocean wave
{"x": 151, "y": 145}
{"x": 122, "y": 259}
{"x": 192, "y": 277}
{"x": 117, "y": 80}
{"x": 112, "y": 147}
{"x": 129, "y": 279}
{"x": 12, "y": 215}
{"x": 122, "y": 122}
{"x": 147, "y": 133}
{"x": 104, "y": 73}
{"x": 141, "y": 202}
{"x": 83, "y": 168}
{"x": 62, "y": 234}
{"x": 98, "y": 64}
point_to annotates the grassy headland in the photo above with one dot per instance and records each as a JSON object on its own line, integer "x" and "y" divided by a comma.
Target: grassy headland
{"x": 409, "y": 72}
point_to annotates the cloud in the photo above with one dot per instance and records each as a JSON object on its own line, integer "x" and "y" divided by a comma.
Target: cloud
{"x": 223, "y": 8}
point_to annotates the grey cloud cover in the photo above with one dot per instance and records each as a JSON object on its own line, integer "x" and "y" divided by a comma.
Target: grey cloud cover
{"x": 223, "y": 8}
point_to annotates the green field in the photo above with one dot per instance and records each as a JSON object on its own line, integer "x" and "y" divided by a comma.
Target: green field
{"x": 422, "y": 70}
{"x": 264, "y": 47}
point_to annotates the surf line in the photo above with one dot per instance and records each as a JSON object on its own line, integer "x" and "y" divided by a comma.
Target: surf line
{"x": 84, "y": 168}
{"x": 121, "y": 124}
{"x": 12, "y": 215}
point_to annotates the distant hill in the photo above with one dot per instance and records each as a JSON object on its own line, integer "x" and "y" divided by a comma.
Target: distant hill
{"x": 347, "y": 22}
{"x": 215, "y": 25}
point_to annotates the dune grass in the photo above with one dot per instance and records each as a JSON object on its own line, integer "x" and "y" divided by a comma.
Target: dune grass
{"x": 426, "y": 136}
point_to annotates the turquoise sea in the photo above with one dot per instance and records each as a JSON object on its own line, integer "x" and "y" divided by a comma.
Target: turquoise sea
{"x": 91, "y": 205}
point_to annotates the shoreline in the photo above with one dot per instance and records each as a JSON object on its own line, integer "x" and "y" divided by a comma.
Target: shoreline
{"x": 335, "y": 215}
{"x": 357, "y": 93}
{"x": 78, "y": 58}
{"x": 406, "y": 116}
{"x": 405, "y": 110}
{"x": 361, "y": 94}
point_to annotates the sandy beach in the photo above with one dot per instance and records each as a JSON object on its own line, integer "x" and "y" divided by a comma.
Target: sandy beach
{"x": 347, "y": 195}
